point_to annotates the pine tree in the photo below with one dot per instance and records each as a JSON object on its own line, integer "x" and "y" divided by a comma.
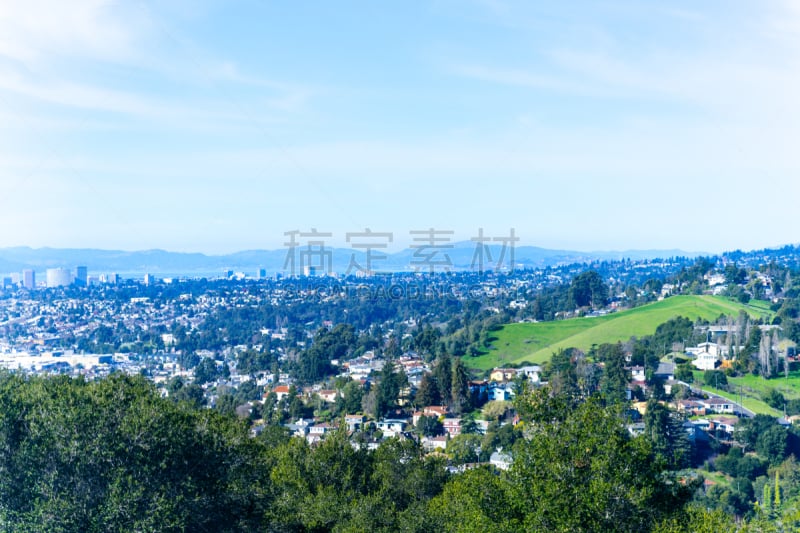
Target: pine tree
{"x": 777, "y": 490}
{"x": 615, "y": 377}
{"x": 443, "y": 373}
{"x": 428, "y": 392}
{"x": 459, "y": 386}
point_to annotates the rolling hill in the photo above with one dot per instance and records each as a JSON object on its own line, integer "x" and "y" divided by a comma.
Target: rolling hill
{"x": 461, "y": 254}
{"x": 535, "y": 342}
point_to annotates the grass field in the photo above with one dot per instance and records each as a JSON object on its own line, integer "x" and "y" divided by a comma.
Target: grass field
{"x": 789, "y": 387}
{"x": 749, "y": 399}
{"x": 535, "y": 343}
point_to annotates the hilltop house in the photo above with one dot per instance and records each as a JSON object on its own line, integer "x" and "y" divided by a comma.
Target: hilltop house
{"x": 531, "y": 372}
{"x": 503, "y": 374}
{"x": 452, "y": 426}
{"x": 328, "y": 395}
{"x": 708, "y": 355}
{"x": 281, "y": 391}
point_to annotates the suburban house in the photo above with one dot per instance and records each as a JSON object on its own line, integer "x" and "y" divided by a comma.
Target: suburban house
{"x": 637, "y": 373}
{"x": 452, "y": 426}
{"x": 501, "y": 460}
{"x": 718, "y": 405}
{"x": 503, "y": 375}
{"x": 478, "y": 387}
{"x": 314, "y": 438}
{"x": 320, "y": 429}
{"x": 723, "y": 423}
{"x": 435, "y": 410}
{"x": 708, "y": 355}
{"x": 300, "y": 428}
{"x": 665, "y": 371}
{"x": 501, "y": 392}
{"x": 430, "y": 444}
{"x": 701, "y": 424}
{"x": 531, "y": 372}
{"x": 690, "y": 406}
{"x": 281, "y": 391}
{"x": 392, "y": 427}
{"x": 328, "y": 395}
{"x": 354, "y": 422}
{"x": 636, "y": 428}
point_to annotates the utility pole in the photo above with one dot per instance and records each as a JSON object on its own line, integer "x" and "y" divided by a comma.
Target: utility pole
{"x": 741, "y": 400}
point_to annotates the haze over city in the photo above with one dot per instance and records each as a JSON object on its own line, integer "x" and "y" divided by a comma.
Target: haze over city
{"x": 201, "y": 126}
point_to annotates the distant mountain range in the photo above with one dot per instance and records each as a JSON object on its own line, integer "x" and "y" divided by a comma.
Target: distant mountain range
{"x": 461, "y": 256}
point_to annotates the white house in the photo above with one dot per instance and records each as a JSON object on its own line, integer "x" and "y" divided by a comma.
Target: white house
{"x": 707, "y": 355}
{"x": 501, "y": 393}
{"x": 392, "y": 427}
{"x": 501, "y": 460}
{"x": 430, "y": 444}
{"x": 531, "y": 372}
{"x": 718, "y": 405}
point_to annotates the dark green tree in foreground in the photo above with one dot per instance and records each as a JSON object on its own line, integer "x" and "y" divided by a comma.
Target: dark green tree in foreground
{"x": 615, "y": 378}
{"x": 113, "y": 455}
{"x": 581, "y": 471}
{"x": 670, "y": 442}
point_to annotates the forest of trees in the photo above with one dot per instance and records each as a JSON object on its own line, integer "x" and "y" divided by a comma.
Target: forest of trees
{"x": 113, "y": 455}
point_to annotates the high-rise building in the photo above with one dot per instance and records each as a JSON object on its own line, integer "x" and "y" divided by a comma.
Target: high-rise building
{"x": 109, "y": 278}
{"x": 262, "y": 273}
{"x": 149, "y": 279}
{"x": 29, "y": 279}
{"x": 81, "y": 276}
{"x": 58, "y": 277}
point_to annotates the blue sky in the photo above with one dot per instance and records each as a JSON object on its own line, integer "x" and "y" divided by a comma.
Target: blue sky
{"x": 217, "y": 126}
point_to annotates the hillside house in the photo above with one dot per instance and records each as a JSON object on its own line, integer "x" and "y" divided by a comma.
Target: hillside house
{"x": 503, "y": 375}
{"x": 452, "y": 426}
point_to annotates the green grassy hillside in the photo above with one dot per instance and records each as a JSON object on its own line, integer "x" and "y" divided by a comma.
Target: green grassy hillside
{"x": 535, "y": 343}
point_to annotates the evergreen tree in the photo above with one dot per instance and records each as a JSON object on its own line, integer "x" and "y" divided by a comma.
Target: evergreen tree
{"x": 563, "y": 376}
{"x": 443, "y": 372}
{"x": 390, "y": 382}
{"x": 427, "y": 392}
{"x": 615, "y": 377}
{"x": 665, "y": 431}
{"x": 459, "y": 386}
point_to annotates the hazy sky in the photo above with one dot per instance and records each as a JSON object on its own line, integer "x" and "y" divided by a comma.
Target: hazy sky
{"x": 217, "y": 126}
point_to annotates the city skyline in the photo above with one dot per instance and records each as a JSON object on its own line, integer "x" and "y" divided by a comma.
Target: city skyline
{"x": 202, "y": 128}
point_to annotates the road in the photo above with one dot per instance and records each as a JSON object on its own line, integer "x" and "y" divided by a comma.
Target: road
{"x": 741, "y": 409}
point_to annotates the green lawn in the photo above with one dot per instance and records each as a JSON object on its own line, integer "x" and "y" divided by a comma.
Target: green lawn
{"x": 751, "y": 396}
{"x": 789, "y": 387}
{"x": 717, "y": 477}
{"x": 517, "y": 343}
{"x": 761, "y": 306}
{"x": 749, "y": 401}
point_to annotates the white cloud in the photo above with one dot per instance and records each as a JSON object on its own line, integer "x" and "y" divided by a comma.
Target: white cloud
{"x": 37, "y": 30}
